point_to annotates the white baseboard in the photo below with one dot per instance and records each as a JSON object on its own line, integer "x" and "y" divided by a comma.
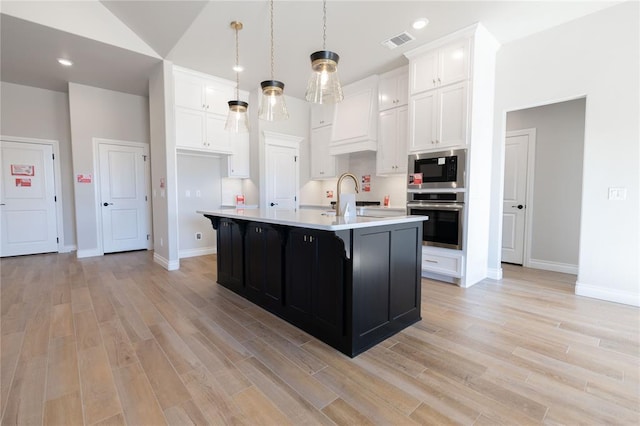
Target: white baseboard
{"x": 89, "y": 253}
{"x": 166, "y": 264}
{"x": 69, "y": 249}
{"x": 196, "y": 252}
{"x": 494, "y": 273}
{"x": 611, "y": 295}
{"x": 546, "y": 265}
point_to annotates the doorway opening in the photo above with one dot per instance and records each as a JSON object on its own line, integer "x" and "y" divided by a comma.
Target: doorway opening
{"x": 544, "y": 150}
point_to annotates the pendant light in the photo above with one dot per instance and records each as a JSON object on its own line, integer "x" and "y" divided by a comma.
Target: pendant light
{"x": 237, "y": 120}
{"x": 272, "y": 107}
{"x": 324, "y": 84}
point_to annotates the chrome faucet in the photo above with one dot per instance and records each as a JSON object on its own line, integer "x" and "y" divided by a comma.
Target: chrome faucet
{"x": 340, "y": 179}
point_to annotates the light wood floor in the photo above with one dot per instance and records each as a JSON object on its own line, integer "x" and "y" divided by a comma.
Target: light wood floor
{"x": 119, "y": 340}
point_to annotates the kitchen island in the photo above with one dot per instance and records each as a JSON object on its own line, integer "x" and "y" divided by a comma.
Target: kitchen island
{"x": 349, "y": 281}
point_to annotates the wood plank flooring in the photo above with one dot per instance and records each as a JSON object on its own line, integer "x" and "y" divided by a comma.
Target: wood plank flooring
{"x": 118, "y": 340}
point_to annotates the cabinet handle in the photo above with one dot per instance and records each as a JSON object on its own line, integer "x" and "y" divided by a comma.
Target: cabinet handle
{"x": 310, "y": 238}
{"x": 437, "y": 141}
{"x": 430, "y": 261}
{"x": 204, "y": 106}
{"x": 304, "y": 238}
{"x": 434, "y": 81}
{"x": 439, "y": 80}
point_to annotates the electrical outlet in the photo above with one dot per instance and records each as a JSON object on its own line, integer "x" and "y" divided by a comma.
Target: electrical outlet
{"x": 198, "y": 235}
{"x": 161, "y": 242}
{"x": 187, "y": 193}
{"x": 617, "y": 194}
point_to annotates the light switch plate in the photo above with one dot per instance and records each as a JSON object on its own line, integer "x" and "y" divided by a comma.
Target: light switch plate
{"x": 617, "y": 194}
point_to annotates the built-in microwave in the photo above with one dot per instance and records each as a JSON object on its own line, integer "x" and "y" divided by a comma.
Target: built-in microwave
{"x": 435, "y": 170}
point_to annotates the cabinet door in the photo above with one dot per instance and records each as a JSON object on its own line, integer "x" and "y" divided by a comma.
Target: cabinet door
{"x": 387, "y": 93}
{"x": 402, "y": 139}
{"x": 453, "y": 62}
{"x": 423, "y": 73}
{"x": 452, "y": 115}
{"x": 354, "y": 118}
{"x": 402, "y": 91}
{"x": 263, "y": 269}
{"x": 386, "y": 158}
{"x": 190, "y": 127}
{"x": 230, "y": 255}
{"x": 300, "y": 271}
{"x": 189, "y": 91}
{"x": 217, "y": 96}
{"x": 422, "y": 121}
{"x": 217, "y": 139}
{"x": 323, "y": 165}
{"x": 238, "y": 163}
{"x": 328, "y": 286}
{"x": 321, "y": 115}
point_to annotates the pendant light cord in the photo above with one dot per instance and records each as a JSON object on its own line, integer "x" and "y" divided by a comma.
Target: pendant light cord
{"x": 272, "y": 49}
{"x": 237, "y": 65}
{"x": 324, "y": 25}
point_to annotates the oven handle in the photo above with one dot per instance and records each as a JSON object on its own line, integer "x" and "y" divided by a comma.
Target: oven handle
{"x": 439, "y": 206}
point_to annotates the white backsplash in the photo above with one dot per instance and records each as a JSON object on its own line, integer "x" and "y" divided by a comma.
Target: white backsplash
{"x": 361, "y": 164}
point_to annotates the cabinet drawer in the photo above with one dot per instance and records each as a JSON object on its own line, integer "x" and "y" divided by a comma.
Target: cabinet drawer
{"x": 442, "y": 264}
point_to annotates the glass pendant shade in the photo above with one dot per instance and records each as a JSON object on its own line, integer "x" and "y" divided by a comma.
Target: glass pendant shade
{"x": 237, "y": 120}
{"x": 272, "y": 106}
{"x": 324, "y": 85}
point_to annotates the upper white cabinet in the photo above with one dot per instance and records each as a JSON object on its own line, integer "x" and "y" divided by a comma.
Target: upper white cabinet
{"x": 439, "y": 103}
{"x": 238, "y": 164}
{"x": 391, "y": 157}
{"x": 355, "y": 120}
{"x": 323, "y": 164}
{"x": 438, "y": 118}
{"x": 442, "y": 66}
{"x": 321, "y": 115}
{"x": 200, "y": 111}
{"x": 393, "y": 89}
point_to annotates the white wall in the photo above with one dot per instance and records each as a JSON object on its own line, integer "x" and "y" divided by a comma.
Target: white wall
{"x": 557, "y": 192}
{"x": 30, "y": 112}
{"x": 198, "y": 189}
{"x": 163, "y": 167}
{"x": 361, "y": 164}
{"x": 596, "y": 56}
{"x": 99, "y": 113}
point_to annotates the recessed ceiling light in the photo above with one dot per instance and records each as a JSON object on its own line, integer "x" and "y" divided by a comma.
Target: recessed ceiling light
{"x": 419, "y": 24}
{"x": 238, "y": 68}
{"x": 65, "y": 62}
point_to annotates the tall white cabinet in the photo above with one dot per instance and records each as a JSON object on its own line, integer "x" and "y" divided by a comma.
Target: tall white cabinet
{"x": 451, "y": 87}
{"x": 393, "y": 93}
{"x": 323, "y": 164}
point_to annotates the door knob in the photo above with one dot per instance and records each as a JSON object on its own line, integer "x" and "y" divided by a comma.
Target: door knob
{"x": 274, "y": 204}
{"x": 107, "y": 204}
{"x": 519, "y": 206}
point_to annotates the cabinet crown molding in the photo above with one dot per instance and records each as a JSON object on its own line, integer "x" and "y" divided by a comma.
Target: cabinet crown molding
{"x": 474, "y": 30}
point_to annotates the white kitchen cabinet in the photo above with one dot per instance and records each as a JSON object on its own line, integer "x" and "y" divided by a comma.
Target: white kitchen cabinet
{"x": 438, "y": 118}
{"x": 323, "y": 164}
{"x": 321, "y": 115}
{"x": 200, "y": 111}
{"x": 391, "y": 157}
{"x": 393, "y": 89}
{"x": 238, "y": 163}
{"x": 451, "y": 86}
{"x": 355, "y": 122}
{"x": 446, "y": 65}
{"x": 442, "y": 261}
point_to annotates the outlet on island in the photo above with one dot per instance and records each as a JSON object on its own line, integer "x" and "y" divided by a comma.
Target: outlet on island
{"x": 198, "y": 235}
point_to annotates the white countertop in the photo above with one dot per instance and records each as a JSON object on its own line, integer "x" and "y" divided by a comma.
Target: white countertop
{"x": 311, "y": 218}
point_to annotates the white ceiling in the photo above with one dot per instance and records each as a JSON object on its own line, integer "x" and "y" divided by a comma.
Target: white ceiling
{"x": 196, "y": 34}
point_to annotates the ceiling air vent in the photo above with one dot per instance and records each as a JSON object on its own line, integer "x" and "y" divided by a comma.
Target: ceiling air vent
{"x": 398, "y": 40}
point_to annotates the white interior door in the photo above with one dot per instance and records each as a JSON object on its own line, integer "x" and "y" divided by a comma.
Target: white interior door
{"x": 123, "y": 197}
{"x": 281, "y": 172}
{"x": 27, "y": 199}
{"x": 514, "y": 200}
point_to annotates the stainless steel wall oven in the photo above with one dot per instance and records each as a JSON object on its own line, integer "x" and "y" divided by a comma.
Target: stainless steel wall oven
{"x": 446, "y": 216}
